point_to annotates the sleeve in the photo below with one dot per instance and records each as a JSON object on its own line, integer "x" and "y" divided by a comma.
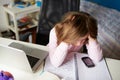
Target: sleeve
{"x": 94, "y": 50}
{"x": 57, "y": 53}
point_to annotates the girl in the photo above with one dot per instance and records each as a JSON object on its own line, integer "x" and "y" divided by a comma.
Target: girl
{"x": 70, "y": 34}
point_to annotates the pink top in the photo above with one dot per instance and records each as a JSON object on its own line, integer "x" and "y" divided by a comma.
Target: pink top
{"x": 59, "y": 52}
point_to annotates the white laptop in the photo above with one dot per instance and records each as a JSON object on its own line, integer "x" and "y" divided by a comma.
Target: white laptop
{"x": 16, "y": 58}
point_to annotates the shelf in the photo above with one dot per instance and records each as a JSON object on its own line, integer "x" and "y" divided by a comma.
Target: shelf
{"x": 35, "y": 23}
{"x": 12, "y": 15}
{"x": 26, "y": 28}
{"x": 16, "y": 10}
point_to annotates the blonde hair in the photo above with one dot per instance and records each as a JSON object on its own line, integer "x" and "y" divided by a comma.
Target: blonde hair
{"x": 75, "y": 25}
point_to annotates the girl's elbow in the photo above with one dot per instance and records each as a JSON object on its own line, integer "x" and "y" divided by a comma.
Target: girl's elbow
{"x": 55, "y": 64}
{"x": 98, "y": 58}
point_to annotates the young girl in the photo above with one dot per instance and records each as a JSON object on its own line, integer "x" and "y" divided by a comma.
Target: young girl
{"x": 70, "y": 34}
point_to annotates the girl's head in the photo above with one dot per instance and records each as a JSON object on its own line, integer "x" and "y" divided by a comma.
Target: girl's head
{"x": 75, "y": 26}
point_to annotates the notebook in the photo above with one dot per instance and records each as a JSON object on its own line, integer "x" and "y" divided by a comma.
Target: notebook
{"x": 75, "y": 69}
{"x": 34, "y": 56}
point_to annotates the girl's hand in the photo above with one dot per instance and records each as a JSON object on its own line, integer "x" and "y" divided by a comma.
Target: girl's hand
{"x": 90, "y": 39}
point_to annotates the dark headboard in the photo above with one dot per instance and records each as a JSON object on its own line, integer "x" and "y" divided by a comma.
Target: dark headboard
{"x": 115, "y": 4}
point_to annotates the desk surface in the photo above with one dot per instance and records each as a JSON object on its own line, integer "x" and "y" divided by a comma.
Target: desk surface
{"x": 113, "y": 64}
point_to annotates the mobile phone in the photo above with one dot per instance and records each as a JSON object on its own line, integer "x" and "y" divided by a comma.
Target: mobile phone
{"x": 88, "y": 62}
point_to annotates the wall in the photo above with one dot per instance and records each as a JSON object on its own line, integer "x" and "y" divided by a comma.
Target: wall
{"x": 3, "y": 25}
{"x": 115, "y": 4}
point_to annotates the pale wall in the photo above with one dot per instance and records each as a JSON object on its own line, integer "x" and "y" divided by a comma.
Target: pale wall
{"x": 3, "y": 26}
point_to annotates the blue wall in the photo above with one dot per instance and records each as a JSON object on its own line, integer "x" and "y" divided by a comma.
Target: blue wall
{"x": 115, "y": 4}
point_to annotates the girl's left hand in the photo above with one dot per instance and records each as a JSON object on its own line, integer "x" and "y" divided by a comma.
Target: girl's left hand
{"x": 90, "y": 39}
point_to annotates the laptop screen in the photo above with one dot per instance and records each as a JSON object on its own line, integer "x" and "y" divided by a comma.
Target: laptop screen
{"x": 35, "y": 56}
{"x": 14, "y": 58}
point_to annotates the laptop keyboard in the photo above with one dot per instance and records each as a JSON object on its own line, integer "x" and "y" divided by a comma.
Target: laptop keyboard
{"x": 26, "y": 49}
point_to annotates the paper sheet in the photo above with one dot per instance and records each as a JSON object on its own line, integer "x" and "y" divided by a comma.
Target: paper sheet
{"x": 69, "y": 70}
{"x": 99, "y": 72}
{"x": 65, "y": 71}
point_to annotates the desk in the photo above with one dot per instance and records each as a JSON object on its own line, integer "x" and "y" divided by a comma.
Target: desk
{"x": 14, "y": 12}
{"x": 114, "y": 68}
{"x": 113, "y": 64}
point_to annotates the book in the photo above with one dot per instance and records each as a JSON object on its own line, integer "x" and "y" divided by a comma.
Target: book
{"x": 22, "y": 4}
{"x": 24, "y": 21}
{"x": 74, "y": 69}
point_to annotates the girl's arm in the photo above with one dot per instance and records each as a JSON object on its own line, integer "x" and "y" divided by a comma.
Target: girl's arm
{"x": 57, "y": 53}
{"x": 94, "y": 50}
